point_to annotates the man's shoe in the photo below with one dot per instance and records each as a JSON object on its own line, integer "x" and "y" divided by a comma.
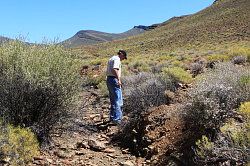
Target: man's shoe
{"x": 114, "y": 122}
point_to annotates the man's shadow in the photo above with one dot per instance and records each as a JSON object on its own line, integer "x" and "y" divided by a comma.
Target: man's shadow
{"x": 104, "y": 125}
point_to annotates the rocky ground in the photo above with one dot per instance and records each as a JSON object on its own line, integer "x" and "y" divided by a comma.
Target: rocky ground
{"x": 85, "y": 139}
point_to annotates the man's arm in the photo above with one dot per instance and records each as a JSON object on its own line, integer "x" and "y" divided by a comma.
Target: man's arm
{"x": 115, "y": 71}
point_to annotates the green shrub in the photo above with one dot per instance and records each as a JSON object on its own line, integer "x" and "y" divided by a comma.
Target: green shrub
{"x": 179, "y": 74}
{"x": 139, "y": 65}
{"x": 230, "y": 146}
{"x": 245, "y": 80}
{"x": 237, "y": 133}
{"x": 177, "y": 63}
{"x": 204, "y": 146}
{"x": 18, "y": 145}
{"x": 165, "y": 57}
{"x": 245, "y": 109}
{"x": 218, "y": 57}
{"x": 37, "y": 85}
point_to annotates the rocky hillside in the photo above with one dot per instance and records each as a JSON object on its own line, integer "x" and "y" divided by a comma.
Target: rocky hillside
{"x": 225, "y": 21}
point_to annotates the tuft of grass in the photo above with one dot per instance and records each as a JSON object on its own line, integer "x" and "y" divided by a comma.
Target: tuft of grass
{"x": 238, "y": 134}
{"x": 230, "y": 143}
{"x": 178, "y": 74}
{"x": 245, "y": 80}
{"x": 245, "y": 109}
{"x": 18, "y": 145}
{"x": 218, "y": 57}
{"x": 139, "y": 65}
{"x": 240, "y": 51}
{"x": 177, "y": 63}
{"x": 204, "y": 146}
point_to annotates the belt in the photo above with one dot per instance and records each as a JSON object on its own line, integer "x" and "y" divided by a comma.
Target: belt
{"x": 111, "y": 76}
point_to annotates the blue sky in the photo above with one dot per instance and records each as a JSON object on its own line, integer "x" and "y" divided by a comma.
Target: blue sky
{"x": 50, "y": 19}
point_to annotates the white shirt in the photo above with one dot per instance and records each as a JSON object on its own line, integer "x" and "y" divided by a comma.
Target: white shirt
{"x": 114, "y": 63}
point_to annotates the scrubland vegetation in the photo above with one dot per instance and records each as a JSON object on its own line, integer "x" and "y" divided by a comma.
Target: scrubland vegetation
{"x": 215, "y": 111}
{"x": 38, "y": 86}
{"x": 186, "y": 89}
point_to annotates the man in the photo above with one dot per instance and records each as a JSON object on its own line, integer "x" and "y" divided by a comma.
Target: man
{"x": 114, "y": 86}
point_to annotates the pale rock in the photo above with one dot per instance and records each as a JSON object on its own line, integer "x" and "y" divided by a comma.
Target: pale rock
{"x": 105, "y": 116}
{"x": 109, "y": 150}
{"x": 127, "y": 163}
{"x": 82, "y": 145}
{"x": 96, "y": 145}
{"x": 66, "y": 162}
{"x": 93, "y": 116}
{"x": 79, "y": 153}
{"x": 49, "y": 161}
{"x": 125, "y": 151}
{"x": 36, "y": 162}
{"x": 62, "y": 154}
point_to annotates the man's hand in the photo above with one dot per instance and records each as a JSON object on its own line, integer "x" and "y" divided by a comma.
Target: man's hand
{"x": 116, "y": 73}
{"x": 119, "y": 82}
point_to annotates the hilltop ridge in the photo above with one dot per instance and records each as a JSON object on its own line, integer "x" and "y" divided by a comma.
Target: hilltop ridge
{"x": 225, "y": 21}
{"x": 4, "y": 39}
{"x": 89, "y": 37}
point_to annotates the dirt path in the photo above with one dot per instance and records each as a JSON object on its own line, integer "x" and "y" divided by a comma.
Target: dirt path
{"x": 82, "y": 142}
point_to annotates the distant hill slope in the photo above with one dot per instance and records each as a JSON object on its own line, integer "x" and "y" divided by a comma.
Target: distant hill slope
{"x": 225, "y": 21}
{"x": 4, "y": 39}
{"x": 88, "y": 37}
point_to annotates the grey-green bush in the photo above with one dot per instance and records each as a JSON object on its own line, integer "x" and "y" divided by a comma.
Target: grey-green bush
{"x": 239, "y": 60}
{"x": 145, "y": 90}
{"x": 37, "y": 85}
{"x": 216, "y": 95}
{"x": 141, "y": 92}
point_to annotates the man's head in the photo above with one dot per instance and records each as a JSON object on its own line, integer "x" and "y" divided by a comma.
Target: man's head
{"x": 122, "y": 54}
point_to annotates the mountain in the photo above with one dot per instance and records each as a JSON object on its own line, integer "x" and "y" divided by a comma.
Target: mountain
{"x": 88, "y": 37}
{"x": 225, "y": 21}
{"x": 4, "y": 39}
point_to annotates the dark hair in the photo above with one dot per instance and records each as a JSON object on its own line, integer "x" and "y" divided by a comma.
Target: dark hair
{"x": 122, "y": 52}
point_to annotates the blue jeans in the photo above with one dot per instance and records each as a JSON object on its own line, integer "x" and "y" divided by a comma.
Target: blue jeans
{"x": 116, "y": 101}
